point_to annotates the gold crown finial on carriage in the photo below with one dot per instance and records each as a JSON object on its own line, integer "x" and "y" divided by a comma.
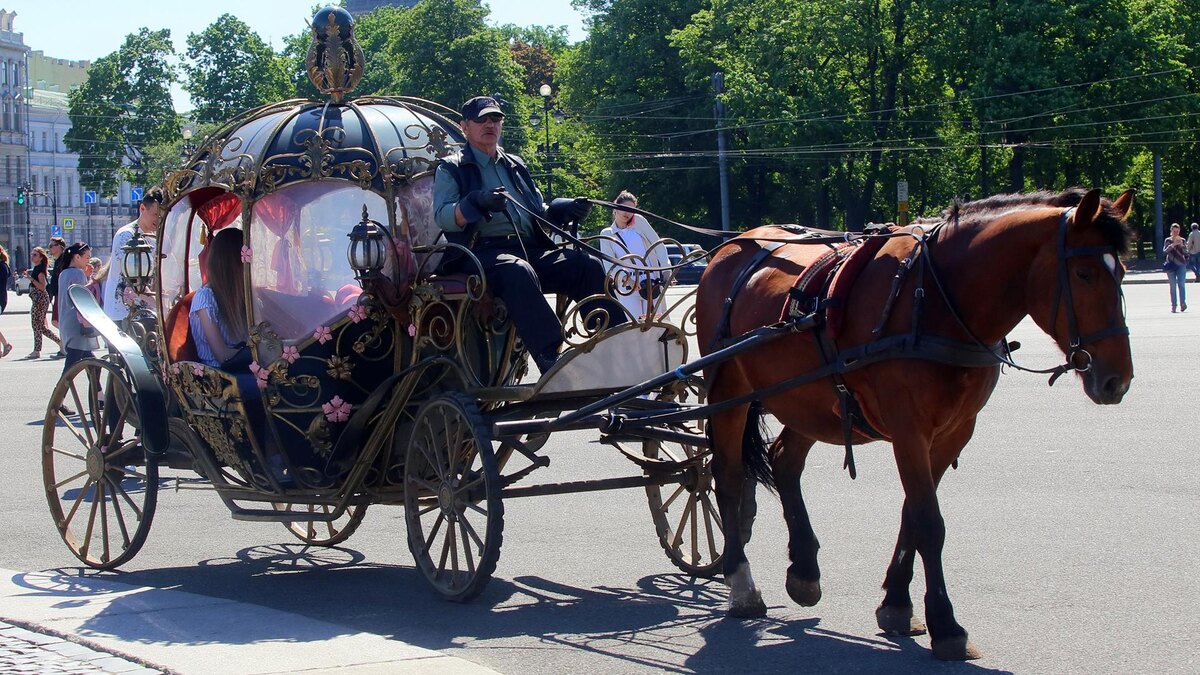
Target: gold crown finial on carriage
{"x": 335, "y": 60}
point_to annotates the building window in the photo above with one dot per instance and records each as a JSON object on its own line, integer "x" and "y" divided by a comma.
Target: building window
{"x": 43, "y": 141}
{"x": 8, "y": 170}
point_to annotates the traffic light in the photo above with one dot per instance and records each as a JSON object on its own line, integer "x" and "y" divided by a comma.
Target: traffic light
{"x": 20, "y": 195}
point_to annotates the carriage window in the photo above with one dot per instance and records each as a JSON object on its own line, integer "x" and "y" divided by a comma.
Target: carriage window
{"x": 182, "y": 237}
{"x": 299, "y": 271}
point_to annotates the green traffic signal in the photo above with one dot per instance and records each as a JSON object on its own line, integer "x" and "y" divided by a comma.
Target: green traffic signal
{"x": 21, "y": 195}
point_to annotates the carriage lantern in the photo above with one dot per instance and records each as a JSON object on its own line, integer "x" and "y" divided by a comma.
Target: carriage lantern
{"x": 138, "y": 264}
{"x": 366, "y": 250}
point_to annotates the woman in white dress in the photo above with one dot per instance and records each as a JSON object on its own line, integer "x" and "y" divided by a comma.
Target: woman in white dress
{"x": 631, "y": 239}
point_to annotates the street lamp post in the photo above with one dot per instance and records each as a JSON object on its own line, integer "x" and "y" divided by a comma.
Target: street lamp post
{"x": 534, "y": 120}
{"x": 188, "y": 146}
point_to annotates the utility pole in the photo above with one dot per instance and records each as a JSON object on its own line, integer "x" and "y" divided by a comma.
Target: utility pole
{"x": 718, "y": 84}
{"x": 1158, "y": 206}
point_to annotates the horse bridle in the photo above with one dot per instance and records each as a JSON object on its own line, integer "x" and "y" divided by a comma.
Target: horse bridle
{"x": 1077, "y": 343}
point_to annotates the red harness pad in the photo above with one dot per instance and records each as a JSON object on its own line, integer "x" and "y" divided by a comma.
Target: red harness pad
{"x": 843, "y": 264}
{"x": 844, "y": 277}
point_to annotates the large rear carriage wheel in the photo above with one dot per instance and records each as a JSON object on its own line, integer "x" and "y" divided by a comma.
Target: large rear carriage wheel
{"x": 452, "y": 498}
{"x": 685, "y": 514}
{"x": 101, "y": 488}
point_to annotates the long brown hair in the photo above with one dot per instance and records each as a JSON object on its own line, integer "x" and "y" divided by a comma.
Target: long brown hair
{"x": 227, "y": 279}
{"x": 3, "y": 255}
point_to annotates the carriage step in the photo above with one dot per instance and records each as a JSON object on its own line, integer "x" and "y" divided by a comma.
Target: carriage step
{"x": 522, "y": 392}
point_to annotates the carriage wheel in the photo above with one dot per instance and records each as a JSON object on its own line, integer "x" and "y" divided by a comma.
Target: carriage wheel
{"x": 452, "y": 497}
{"x": 324, "y": 532}
{"x": 101, "y": 489}
{"x": 685, "y": 514}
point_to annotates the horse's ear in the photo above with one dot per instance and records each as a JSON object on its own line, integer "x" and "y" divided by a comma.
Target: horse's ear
{"x": 1089, "y": 208}
{"x": 1123, "y": 204}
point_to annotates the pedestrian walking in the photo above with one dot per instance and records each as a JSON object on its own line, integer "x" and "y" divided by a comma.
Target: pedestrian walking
{"x": 1193, "y": 250}
{"x": 632, "y": 238}
{"x": 6, "y": 278}
{"x": 41, "y": 302}
{"x": 78, "y": 336}
{"x": 1175, "y": 250}
{"x": 149, "y": 211}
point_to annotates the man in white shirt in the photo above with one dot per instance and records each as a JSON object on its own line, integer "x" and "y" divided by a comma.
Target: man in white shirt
{"x": 147, "y": 221}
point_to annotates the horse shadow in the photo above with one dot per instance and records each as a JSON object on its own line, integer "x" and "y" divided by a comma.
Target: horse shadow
{"x": 665, "y": 622}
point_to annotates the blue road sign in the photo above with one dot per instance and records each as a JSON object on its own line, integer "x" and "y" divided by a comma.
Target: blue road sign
{"x": 68, "y": 223}
{"x": 89, "y": 197}
{"x": 135, "y": 194}
{"x": 56, "y": 230}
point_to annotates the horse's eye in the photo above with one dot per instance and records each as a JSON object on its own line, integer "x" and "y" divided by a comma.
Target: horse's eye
{"x": 1085, "y": 274}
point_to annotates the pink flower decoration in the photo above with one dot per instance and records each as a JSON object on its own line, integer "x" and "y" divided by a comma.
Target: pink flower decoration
{"x": 247, "y": 254}
{"x": 291, "y": 354}
{"x": 260, "y": 374}
{"x": 174, "y": 368}
{"x": 322, "y": 334}
{"x": 358, "y": 313}
{"x": 197, "y": 370}
{"x": 336, "y": 410}
{"x": 412, "y": 330}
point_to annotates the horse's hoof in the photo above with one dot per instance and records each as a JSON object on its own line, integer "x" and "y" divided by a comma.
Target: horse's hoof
{"x": 752, "y": 607}
{"x": 957, "y": 648}
{"x": 895, "y": 620}
{"x": 805, "y": 593}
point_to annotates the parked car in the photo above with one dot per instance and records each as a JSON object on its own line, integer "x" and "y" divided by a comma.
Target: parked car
{"x": 23, "y": 283}
{"x": 689, "y": 274}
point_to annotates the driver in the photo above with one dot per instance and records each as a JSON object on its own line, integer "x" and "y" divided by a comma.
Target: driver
{"x": 519, "y": 260}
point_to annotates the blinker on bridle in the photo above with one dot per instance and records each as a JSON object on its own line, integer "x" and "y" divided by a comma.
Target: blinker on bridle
{"x": 1077, "y": 342}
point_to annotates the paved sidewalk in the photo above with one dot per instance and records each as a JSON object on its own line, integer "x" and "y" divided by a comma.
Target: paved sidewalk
{"x": 156, "y": 630}
{"x": 26, "y": 651}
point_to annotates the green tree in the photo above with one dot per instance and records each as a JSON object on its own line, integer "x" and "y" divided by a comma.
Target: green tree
{"x": 231, "y": 69}
{"x": 123, "y": 107}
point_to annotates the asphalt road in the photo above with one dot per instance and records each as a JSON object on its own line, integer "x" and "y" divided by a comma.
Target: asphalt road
{"x": 1071, "y": 547}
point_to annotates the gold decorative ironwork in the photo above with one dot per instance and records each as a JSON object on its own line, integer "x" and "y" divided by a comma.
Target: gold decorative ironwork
{"x": 335, "y": 60}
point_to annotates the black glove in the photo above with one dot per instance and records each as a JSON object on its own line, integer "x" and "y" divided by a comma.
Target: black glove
{"x": 563, "y": 210}
{"x": 479, "y": 204}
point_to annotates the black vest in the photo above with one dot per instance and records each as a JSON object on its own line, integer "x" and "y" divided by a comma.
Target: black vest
{"x": 467, "y": 175}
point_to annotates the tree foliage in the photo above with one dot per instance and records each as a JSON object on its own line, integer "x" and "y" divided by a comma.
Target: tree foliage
{"x": 231, "y": 69}
{"x": 123, "y": 106}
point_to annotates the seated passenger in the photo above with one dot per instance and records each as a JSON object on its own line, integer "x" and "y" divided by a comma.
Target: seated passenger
{"x": 217, "y": 318}
{"x": 520, "y": 262}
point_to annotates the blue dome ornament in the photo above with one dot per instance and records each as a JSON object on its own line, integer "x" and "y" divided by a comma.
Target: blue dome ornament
{"x": 335, "y": 60}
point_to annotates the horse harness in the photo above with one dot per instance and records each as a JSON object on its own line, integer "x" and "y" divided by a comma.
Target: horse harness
{"x": 817, "y": 298}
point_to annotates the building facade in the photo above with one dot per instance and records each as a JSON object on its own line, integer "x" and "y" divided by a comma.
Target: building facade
{"x": 14, "y": 107}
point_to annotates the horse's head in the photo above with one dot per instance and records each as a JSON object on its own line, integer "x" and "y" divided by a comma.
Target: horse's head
{"x": 1075, "y": 291}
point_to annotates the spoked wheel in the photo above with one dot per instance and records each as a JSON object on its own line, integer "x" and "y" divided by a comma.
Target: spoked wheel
{"x": 101, "y": 488}
{"x": 452, "y": 497}
{"x": 685, "y": 514}
{"x": 323, "y": 532}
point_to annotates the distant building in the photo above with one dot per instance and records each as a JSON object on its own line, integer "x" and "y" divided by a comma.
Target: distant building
{"x": 14, "y": 115}
{"x": 357, "y": 7}
{"x": 51, "y": 74}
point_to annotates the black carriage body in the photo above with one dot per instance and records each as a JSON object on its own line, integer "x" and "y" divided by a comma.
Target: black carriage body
{"x": 295, "y": 177}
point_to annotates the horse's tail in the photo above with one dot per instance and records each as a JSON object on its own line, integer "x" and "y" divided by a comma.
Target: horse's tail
{"x": 756, "y": 454}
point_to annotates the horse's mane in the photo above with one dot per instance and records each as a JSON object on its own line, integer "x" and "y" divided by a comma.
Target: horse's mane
{"x": 1118, "y": 234}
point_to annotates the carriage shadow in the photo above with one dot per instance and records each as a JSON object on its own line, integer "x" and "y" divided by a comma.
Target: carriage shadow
{"x": 666, "y": 622}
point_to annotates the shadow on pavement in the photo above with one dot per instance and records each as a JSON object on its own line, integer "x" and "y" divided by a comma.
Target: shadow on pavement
{"x": 667, "y": 622}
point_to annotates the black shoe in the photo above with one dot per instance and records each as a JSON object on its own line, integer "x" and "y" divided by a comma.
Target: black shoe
{"x": 65, "y": 410}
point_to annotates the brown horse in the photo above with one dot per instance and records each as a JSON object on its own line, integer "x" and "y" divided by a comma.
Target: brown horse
{"x": 987, "y": 264}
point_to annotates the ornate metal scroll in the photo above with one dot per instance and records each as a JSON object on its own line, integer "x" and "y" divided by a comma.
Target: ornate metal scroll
{"x": 335, "y": 60}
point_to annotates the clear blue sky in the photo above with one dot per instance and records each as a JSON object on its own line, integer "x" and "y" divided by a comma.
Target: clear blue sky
{"x": 89, "y": 29}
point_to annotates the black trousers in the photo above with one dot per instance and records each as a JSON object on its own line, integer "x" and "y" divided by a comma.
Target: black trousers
{"x": 520, "y": 275}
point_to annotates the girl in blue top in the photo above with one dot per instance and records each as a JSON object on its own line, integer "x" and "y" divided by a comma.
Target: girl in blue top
{"x": 217, "y": 318}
